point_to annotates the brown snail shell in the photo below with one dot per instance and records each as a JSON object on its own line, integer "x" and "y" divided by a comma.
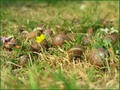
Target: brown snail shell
{"x": 75, "y": 52}
{"x": 107, "y": 23}
{"x": 112, "y": 37}
{"x": 88, "y": 37}
{"x": 9, "y": 44}
{"x": 38, "y": 46}
{"x": 59, "y": 39}
{"x": 35, "y": 47}
{"x": 48, "y": 32}
{"x": 32, "y": 35}
{"x": 97, "y": 57}
{"x": 23, "y": 60}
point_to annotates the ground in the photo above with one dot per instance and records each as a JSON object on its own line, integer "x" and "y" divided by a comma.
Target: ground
{"x": 52, "y": 69}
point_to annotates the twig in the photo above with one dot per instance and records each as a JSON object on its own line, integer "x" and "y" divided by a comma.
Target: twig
{"x": 14, "y": 64}
{"x": 30, "y": 59}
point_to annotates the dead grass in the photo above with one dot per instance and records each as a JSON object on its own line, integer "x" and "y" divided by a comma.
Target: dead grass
{"x": 55, "y": 71}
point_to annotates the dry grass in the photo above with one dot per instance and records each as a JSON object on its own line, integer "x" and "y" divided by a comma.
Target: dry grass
{"x": 52, "y": 69}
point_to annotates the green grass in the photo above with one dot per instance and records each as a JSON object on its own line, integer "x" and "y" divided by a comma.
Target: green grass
{"x": 52, "y": 69}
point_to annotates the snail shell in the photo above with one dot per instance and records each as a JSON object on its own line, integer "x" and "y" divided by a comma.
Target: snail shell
{"x": 23, "y": 60}
{"x": 48, "y": 32}
{"x": 107, "y": 23}
{"x": 37, "y": 47}
{"x": 112, "y": 37}
{"x": 59, "y": 39}
{"x": 32, "y": 35}
{"x": 97, "y": 56}
{"x": 88, "y": 37}
{"x": 75, "y": 52}
{"x": 10, "y": 44}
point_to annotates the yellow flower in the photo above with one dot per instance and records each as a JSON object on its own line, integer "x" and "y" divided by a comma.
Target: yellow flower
{"x": 40, "y": 38}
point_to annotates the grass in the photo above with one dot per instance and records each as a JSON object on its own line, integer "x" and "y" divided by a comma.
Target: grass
{"x": 52, "y": 69}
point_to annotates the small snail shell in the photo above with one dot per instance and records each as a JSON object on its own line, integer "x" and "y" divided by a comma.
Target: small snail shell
{"x": 107, "y": 23}
{"x": 97, "y": 57}
{"x": 88, "y": 37}
{"x": 75, "y": 52}
{"x": 23, "y": 60}
{"x": 112, "y": 37}
{"x": 37, "y": 47}
{"x": 59, "y": 39}
{"x": 10, "y": 44}
{"x": 48, "y": 32}
{"x": 32, "y": 35}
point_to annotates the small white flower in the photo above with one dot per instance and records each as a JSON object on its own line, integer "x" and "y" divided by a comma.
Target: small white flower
{"x": 38, "y": 28}
{"x": 106, "y": 30}
{"x": 101, "y": 29}
{"x": 117, "y": 51}
{"x": 112, "y": 28}
{"x": 114, "y": 31}
{"x": 109, "y": 31}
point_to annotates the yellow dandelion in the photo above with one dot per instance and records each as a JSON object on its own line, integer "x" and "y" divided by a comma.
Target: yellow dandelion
{"x": 40, "y": 38}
